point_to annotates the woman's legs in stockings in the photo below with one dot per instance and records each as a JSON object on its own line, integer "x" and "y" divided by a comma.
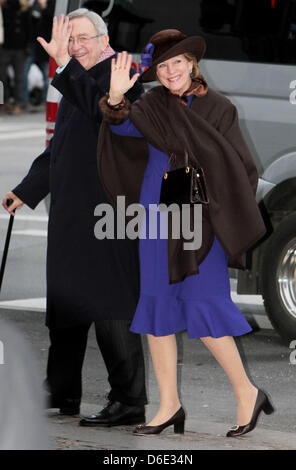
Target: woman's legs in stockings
{"x": 225, "y": 351}
{"x": 164, "y": 356}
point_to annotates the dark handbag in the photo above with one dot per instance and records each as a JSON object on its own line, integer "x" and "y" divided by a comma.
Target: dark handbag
{"x": 185, "y": 185}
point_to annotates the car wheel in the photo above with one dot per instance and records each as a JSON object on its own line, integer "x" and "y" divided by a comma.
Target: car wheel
{"x": 279, "y": 278}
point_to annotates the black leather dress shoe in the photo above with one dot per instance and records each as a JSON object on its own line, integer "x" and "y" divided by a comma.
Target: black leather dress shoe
{"x": 115, "y": 414}
{"x": 68, "y": 407}
{"x": 263, "y": 403}
{"x": 69, "y": 411}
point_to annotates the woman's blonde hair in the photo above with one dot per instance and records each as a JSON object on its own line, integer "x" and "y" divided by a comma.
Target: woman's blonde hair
{"x": 195, "y": 68}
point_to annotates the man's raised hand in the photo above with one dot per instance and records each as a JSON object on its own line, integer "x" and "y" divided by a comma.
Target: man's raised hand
{"x": 57, "y": 48}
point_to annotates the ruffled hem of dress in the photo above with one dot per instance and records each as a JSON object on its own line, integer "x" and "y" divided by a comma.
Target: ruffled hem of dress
{"x": 163, "y": 316}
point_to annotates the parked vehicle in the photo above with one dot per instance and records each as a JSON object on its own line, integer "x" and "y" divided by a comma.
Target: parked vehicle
{"x": 251, "y": 57}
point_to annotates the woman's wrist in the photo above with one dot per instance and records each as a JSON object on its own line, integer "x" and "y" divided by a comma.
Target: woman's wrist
{"x": 114, "y": 114}
{"x": 113, "y": 99}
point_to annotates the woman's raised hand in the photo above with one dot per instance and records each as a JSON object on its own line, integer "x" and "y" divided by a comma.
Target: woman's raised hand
{"x": 59, "y": 43}
{"x": 120, "y": 81}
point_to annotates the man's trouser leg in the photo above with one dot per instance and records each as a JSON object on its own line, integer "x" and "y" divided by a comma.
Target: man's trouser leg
{"x": 123, "y": 356}
{"x": 64, "y": 367}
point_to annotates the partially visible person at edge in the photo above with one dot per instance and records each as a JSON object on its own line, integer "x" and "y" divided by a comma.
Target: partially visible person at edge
{"x": 14, "y": 50}
{"x": 42, "y": 12}
{"x": 185, "y": 289}
{"x": 88, "y": 280}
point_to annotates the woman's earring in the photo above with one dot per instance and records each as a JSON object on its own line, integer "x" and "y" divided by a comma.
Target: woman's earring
{"x": 190, "y": 71}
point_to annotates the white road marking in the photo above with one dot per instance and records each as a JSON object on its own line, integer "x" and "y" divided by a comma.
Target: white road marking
{"x": 22, "y": 134}
{"x": 30, "y": 233}
{"x": 35, "y": 304}
{"x": 8, "y": 127}
{"x": 32, "y": 218}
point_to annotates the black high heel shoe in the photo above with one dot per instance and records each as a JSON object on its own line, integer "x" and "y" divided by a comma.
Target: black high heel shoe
{"x": 178, "y": 420}
{"x": 263, "y": 403}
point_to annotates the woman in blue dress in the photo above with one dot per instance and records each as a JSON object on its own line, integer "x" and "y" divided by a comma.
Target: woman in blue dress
{"x": 201, "y": 302}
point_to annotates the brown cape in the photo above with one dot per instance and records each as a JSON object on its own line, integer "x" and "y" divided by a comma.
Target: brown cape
{"x": 209, "y": 131}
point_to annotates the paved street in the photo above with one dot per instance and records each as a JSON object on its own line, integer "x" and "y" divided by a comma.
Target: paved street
{"x": 206, "y": 394}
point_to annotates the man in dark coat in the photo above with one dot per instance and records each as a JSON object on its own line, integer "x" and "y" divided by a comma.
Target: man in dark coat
{"x": 88, "y": 280}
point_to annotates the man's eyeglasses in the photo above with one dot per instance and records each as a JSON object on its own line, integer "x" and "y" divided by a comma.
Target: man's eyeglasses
{"x": 83, "y": 39}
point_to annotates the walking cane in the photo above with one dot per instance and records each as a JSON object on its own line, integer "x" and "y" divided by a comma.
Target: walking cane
{"x": 6, "y": 246}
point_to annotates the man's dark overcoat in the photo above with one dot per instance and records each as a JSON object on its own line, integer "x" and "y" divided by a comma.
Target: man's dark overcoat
{"x": 87, "y": 279}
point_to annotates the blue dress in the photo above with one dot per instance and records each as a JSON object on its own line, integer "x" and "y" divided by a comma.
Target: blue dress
{"x": 201, "y": 304}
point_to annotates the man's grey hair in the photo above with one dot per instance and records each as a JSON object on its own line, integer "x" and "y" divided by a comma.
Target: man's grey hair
{"x": 97, "y": 21}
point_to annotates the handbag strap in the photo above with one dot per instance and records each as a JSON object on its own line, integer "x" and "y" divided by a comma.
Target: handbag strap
{"x": 173, "y": 157}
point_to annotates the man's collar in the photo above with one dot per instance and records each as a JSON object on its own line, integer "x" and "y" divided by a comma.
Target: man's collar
{"x": 108, "y": 52}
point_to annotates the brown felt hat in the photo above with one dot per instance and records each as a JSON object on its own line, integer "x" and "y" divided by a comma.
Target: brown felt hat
{"x": 166, "y": 44}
